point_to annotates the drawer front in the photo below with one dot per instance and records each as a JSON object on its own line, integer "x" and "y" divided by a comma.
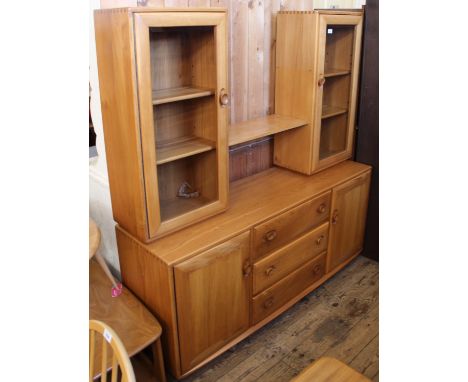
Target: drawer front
{"x": 282, "y": 229}
{"x": 279, "y": 264}
{"x": 279, "y": 294}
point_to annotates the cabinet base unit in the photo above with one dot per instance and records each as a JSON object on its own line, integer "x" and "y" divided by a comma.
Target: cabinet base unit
{"x": 216, "y": 282}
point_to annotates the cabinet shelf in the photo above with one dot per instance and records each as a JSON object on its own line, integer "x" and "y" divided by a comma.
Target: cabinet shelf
{"x": 176, "y": 207}
{"x": 332, "y": 111}
{"x": 261, "y": 127}
{"x": 179, "y": 94}
{"x": 332, "y": 72}
{"x": 179, "y": 148}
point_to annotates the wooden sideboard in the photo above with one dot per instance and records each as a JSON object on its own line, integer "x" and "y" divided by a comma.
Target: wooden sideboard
{"x": 214, "y": 283}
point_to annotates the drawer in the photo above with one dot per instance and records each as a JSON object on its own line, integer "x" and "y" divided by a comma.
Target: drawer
{"x": 282, "y": 262}
{"x": 289, "y": 287}
{"x": 282, "y": 229}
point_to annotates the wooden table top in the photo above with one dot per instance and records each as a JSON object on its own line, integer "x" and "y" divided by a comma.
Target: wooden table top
{"x": 133, "y": 323}
{"x": 327, "y": 369}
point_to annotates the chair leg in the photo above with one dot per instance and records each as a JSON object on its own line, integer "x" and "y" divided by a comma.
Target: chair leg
{"x": 158, "y": 361}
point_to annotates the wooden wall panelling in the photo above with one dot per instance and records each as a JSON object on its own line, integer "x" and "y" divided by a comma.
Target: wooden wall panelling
{"x": 250, "y": 158}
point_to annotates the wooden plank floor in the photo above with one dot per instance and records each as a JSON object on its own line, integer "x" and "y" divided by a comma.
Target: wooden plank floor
{"x": 339, "y": 319}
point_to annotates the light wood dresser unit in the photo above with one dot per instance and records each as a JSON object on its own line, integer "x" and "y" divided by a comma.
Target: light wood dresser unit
{"x": 216, "y": 282}
{"x": 164, "y": 91}
{"x": 317, "y": 68}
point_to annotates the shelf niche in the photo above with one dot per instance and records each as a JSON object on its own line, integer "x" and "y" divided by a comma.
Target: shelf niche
{"x": 261, "y": 127}
{"x": 199, "y": 171}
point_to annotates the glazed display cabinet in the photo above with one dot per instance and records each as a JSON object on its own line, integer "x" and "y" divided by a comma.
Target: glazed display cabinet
{"x": 163, "y": 84}
{"x": 317, "y": 71}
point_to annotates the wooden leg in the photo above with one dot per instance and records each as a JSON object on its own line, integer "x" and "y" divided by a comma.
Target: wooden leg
{"x": 158, "y": 361}
{"x": 106, "y": 269}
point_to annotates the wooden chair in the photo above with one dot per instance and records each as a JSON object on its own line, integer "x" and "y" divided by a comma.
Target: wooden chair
{"x": 327, "y": 369}
{"x": 100, "y": 335}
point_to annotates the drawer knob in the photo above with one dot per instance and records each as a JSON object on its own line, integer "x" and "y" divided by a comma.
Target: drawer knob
{"x": 321, "y": 209}
{"x": 316, "y": 269}
{"x": 321, "y": 81}
{"x": 223, "y": 98}
{"x": 270, "y": 270}
{"x": 319, "y": 239}
{"x": 335, "y": 217}
{"x": 268, "y": 302}
{"x": 270, "y": 235}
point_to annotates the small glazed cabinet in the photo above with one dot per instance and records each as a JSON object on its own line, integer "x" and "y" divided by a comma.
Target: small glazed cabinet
{"x": 216, "y": 282}
{"x": 163, "y": 85}
{"x": 317, "y": 67}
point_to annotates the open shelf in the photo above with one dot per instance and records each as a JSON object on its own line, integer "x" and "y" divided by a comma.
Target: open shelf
{"x": 261, "y": 127}
{"x": 179, "y": 94}
{"x": 199, "y": 171}
{"x": 331, "y": 111}
{"x": 332, "y": 72}
{"x": 181, "y": 148}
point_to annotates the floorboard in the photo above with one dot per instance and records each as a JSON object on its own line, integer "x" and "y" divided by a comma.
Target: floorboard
{"x": 339, "y": 319}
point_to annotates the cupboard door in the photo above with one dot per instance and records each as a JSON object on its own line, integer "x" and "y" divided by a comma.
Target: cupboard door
{"x": 348, "y": 219}
{"x": 339, "y": 42}
{"x": 212, "y": 291}
{"x": 181, "y": 67}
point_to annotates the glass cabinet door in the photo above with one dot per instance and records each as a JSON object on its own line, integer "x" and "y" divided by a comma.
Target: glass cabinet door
{"x": 339, "y": 42}
{"x": 182, "y": 82}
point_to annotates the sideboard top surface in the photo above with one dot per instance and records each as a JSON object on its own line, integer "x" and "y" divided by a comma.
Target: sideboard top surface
{"x": 252, "y": 200}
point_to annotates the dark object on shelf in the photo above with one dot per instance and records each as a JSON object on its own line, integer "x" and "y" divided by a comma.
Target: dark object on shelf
{"x": 186, "y": 191}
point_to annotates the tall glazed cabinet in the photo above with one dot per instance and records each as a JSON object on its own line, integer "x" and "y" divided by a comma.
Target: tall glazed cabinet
{"x": 317, "y": 67}
{"x": 163, "y": 84}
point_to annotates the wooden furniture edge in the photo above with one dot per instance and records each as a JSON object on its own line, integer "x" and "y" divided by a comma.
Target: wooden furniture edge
{"x": 272, "y": 316}
{"x": 170, "y": 335}
{"x": 137, "y": 223}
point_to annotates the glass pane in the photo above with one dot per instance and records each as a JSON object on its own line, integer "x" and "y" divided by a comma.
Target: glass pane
{"x": 336, "y": 90}
{"x": 183, "y": 72}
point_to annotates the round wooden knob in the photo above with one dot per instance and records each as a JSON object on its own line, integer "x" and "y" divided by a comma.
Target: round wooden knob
{"x": 317, "y": 268}
{"x": 321, "y": 209}
{"x": 335, "y": 217}
{"x": 223, "y": 98}
{"x": 268, "y": 302}
{"x": 270, "y": 270}
{"x": 270, "y": 235}
{"x": 246, "y": 269}
{"x": 319, "y": 239}
{"x": 321, "y": 81}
